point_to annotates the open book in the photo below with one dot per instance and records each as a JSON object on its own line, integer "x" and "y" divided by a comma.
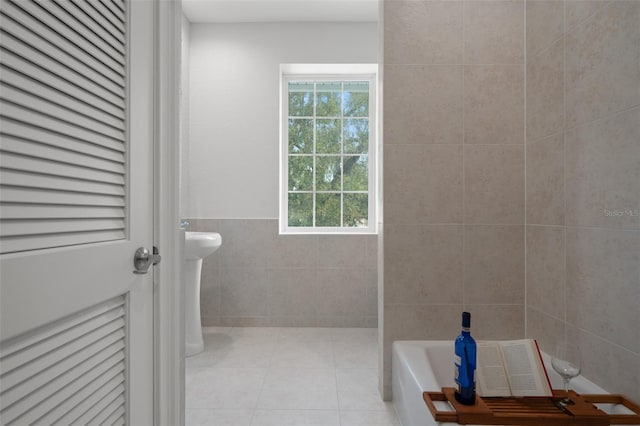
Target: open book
{"x": 511, "y": 368}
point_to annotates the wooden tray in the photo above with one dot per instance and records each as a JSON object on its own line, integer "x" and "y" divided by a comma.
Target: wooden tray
{"x": 532, "y": 411}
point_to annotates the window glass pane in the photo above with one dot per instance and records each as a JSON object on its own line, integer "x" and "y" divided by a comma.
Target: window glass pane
{"x": 356, "y": 86}
{"x": 328, "y": 153}
{"x": 300, "y": 136}
{"x": 329, "y": 99}
{"x": 329, "y": 86}
{"x": 300, "y": 210}
{"x": 301, "y": 99}
{"x": 356, "y": 136}
{"x": 328, "y": 210}
{"x": 301, "y": 173}
{"x": 356, "y": 99}
{"x": 328, "y": 136}
{"x": 356, "y": 210}
{"x": 328, "y": 173}
{"x": 356, "y": 173}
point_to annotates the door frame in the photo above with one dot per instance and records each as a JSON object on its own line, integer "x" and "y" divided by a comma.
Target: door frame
{"x": 168, "y": 291}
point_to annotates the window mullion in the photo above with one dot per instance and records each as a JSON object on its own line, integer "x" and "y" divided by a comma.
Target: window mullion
{"x": 342, "y": 154}
{"x": 315, "y": 159}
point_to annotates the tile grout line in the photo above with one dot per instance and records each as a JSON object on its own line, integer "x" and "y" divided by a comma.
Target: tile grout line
{"x": 564, "y": 175}
{"x": 524, "y": 118}
{"x": 464, "y": 173}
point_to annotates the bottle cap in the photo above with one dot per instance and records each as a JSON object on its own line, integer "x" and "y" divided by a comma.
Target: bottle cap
{"x": 466, "y": 319}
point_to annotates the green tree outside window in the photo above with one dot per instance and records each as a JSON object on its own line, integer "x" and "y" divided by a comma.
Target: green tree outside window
{"x": 328, "y": 154}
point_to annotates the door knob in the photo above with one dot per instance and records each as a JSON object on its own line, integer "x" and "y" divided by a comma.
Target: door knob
{"x": 142, "y": 260}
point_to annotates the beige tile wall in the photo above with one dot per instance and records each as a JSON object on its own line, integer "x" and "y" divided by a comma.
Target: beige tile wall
{"x": 453, "y": 170}
{"x": 261, "y": 278}
{"x": 583, "y": 184}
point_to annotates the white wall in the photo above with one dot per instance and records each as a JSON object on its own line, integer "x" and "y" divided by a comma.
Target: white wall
{"x": 231, "y": 161}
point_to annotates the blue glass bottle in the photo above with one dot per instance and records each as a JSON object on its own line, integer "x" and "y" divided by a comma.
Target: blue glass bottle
{"x": 465, "y": 363}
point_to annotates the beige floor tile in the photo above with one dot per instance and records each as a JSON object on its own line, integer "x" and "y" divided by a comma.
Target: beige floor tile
{"x": 289, "y": 389}
{"x": 296, "y": 418}
{"x": 223, "y": 387}
{"x": 270, "y": 376}
{"x": 220, "y": 417}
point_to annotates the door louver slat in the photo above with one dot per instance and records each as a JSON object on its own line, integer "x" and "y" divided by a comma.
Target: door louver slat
{"x": 89, "y": 36}
{"x": 84, "y": 13}
{"x": 13, "y": 130}
{"x": 26, "y": 350}
{"x": 57, "y": 212}
{"x": 55, "y": 111}
{"x": 16, "y": 112}
{"x": 45, "y": 152}
{"x": 87, "y": 45}
{"x": 55, "y": 375}
{"x": 22, "y": 49}
{"x": 117, "y": 12}
{"x": 85, "y": 384}
{"x": 26, "y": 242}
{"x": 55, "y": 399}
{"x": 116, "y": 24}
{"x": 119, "y": 422}
{"x": 108, "y": 414}
{"x": 11, "y": 161}
{"x": 39, "y": 196}
{"x": 77, "y": 324}
{"x": 59, "y": 98}
{"x": 30, "y": 180}
{"x": 110, "y": 393}
{"x": 16, "y": 228}
{"x": 119, "y": 4}
{"x": 71, "y": 88}
{"x": 49, "y": 41}
{"x": 91, "y": 9}
{"x": 70, "y": 372}
{"x": 63, "y": 123}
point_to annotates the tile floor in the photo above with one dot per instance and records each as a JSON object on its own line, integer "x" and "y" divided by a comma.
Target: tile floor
{"x": 286, "y": 377}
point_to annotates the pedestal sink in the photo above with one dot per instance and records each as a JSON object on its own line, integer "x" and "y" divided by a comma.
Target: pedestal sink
{"x": 197, "y": 246}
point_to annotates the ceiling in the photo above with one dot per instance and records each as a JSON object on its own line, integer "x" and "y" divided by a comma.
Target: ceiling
{"x": 226, "y": 11}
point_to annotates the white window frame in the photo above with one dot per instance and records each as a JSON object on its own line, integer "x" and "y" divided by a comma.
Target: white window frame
{"x": 329, "y": 72}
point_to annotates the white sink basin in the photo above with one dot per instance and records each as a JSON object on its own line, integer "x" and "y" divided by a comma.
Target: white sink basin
{"x": 198, "y": 245}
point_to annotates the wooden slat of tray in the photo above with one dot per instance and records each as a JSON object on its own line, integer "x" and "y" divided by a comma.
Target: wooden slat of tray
{"x": 532, "y": 411}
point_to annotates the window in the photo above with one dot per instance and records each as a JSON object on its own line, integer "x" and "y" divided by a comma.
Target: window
{"x": 328, "y": 165}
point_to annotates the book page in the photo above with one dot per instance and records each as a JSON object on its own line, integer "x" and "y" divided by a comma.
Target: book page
{"x": 525, "y": 371}
{"x": 491, "y": 377}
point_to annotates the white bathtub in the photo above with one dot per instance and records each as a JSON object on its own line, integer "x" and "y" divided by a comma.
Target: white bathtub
{"x": 420, "y": 366}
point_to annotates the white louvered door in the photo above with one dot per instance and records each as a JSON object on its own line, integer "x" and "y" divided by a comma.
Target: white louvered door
{"x": 76, "y": 198}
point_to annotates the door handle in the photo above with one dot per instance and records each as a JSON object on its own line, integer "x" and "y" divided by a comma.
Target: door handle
{"x": 143, "y": 260}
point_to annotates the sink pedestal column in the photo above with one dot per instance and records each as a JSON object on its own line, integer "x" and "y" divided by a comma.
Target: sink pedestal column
{"x": 193, "y": 325}
{"x": 197, "y": 246}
